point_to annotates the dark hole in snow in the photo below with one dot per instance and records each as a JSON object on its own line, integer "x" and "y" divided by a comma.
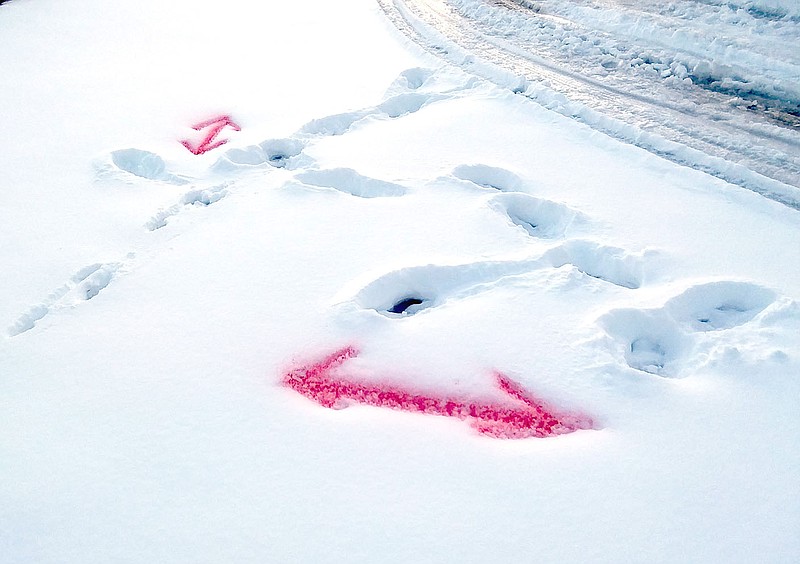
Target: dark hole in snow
{"x": 403, "y": 305}
{"x": 278, "y": 160}
{"x": 528, "y": 226}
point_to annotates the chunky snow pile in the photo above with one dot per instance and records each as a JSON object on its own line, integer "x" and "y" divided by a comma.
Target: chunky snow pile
{"x": 780, "y": 9}
{"x": 282, "y": 287}
{"x": 744, "y": 48}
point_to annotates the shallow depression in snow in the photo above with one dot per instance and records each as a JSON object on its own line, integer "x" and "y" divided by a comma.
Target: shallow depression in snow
{"x": 489, "y": 177}
{"x": 538, "y": 217}
{"x": 656, "y": 340}
{"x": 350, "y": 182}
{"x": 719, "y": 305}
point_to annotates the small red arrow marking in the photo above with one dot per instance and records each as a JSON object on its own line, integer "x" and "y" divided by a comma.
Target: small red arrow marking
{"x": 214, "y": 125}
{"x": 532, "y": 419}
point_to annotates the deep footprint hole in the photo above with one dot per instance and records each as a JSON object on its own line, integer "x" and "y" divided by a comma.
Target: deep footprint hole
{"x": 406, "y": 306}
{"x": 647, "y": 355}
{"x": 278, "y": 160}
{"x": 528, "y": 225}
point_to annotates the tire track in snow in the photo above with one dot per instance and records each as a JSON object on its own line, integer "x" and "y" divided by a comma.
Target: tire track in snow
{"x": 768, "y": 165}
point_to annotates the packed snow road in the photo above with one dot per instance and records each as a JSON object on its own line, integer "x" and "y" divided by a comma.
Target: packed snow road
{"x": 712, "y": 85}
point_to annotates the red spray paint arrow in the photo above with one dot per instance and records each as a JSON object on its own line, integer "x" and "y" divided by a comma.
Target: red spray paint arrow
{"x": 214, "y": 125}
{"x": 531, "y": 419}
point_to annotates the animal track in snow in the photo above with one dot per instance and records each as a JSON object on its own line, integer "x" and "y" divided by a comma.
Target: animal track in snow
{"x": 351, "y": 182}
{"x": 84, "y": 285}
{"x": 657, "y": 340}
{"x": 196, "y": 197}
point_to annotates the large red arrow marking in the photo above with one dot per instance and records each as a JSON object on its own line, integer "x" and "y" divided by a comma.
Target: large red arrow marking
{"x": 532, "y": 419}
{"x": 214, "y": 125}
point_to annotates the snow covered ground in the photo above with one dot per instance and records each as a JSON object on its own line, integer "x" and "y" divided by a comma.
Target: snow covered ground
{"x": 370, "y": 196}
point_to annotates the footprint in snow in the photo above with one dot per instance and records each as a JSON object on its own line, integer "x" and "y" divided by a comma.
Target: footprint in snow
{"x": 539, "y": 218}
{"x": 410, "y": 80}
{"x": 610, "y": 264}
{"x": 408, "y": 291}
{"x": 407, "y": 103}
{"x": 350, "y": 182}
{"x": 125, "y": 163}
{"x": 288, "y": 152}
{"x": 279, "y": 153}
{"x": 657, "y": 341}
{"x": 393, "y": 107}
{"x": 647, "y": 340}
{"x": 199, "y": 197}
{"x": 717, "y": 306}
{"x": 491, "y": 177}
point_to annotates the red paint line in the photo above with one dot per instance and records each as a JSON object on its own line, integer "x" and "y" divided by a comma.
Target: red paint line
{"x": 531, "y": 419}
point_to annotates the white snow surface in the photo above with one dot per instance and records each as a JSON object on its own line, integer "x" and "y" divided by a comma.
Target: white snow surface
{"x": 153, "y": 300}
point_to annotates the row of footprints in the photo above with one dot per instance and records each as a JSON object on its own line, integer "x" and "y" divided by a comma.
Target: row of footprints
{"x": 412, "y": 90}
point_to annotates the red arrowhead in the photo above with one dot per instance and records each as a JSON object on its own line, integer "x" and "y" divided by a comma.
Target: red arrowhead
{"x": 531, "y": 419}
{"x": 207, "y": 143}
